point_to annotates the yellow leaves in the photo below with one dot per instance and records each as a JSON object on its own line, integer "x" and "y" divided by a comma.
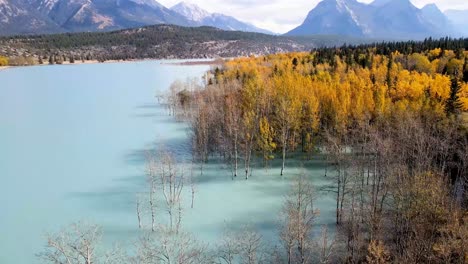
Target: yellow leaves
{"x": 463, "y": 95}
{"x": 429, "y": 199}
{"x": 455, "y": 67}
{"x": 449, "y": 54}
{"x": 380, "y": 71}
{"x": 409, "y": 86}
{"x": 342, "y": 104}
{"x": 453, "y": 239}
{"x": 419, "y": 63}
{"x": 310, "y": 107}
{"x": 3, "y": 61}
{"x": 265, "y": 139}
{"x": 296, "y": 88}
{"x": 381, "y": 101}
{"x": 435, "y": 53}
{"x": 440, "y": 88}
{"x": 377, "y": 253}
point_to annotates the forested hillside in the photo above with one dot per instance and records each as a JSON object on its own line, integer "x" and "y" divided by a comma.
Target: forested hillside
{"x": 155, "y": 42}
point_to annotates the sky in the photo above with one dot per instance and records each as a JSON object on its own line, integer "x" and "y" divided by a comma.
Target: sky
{"x": 280, "y": 16}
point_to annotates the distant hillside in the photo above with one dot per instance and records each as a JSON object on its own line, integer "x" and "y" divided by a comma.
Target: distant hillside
{"x": 387, "y": 19}
{"x": 162, "y": 41}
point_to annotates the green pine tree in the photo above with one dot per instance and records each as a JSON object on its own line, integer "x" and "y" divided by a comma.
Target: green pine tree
{"x": 454, "y": 104}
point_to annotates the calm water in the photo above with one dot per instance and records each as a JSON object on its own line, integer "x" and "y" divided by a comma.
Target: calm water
{"x": 72, "y": 144}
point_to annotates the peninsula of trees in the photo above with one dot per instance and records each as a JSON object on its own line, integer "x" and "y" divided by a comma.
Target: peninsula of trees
{"x": 391, "y": 120}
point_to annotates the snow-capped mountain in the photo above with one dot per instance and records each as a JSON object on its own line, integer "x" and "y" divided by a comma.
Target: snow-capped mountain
{"x": 204, "y": 18}
{"x": 341, "y": 17}
{"x": 96, "y": 15}
{"x": 386, "y": 19}
{"x": 17, "y": 17}
{"x": 53, "y": 16}
{"x": 191, "y": 11}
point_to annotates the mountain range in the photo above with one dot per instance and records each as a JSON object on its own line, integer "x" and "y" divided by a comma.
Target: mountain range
{"x": 203, "y": 18}
{"x": 57, "y": 16}
{"x": 383, "y": 19}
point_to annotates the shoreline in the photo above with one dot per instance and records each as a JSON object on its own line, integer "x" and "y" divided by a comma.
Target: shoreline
{"x": 201, "y": 62}
{"x": 183, "y": 62}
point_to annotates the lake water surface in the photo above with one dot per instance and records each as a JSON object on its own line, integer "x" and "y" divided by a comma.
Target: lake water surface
{"x": 72, "y": 144}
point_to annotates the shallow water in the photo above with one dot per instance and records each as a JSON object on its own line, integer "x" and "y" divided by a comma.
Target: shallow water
{"x": 72, "y": 146}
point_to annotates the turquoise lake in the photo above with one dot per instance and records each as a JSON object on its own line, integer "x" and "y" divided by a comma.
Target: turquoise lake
{"x": 72, "y": 144}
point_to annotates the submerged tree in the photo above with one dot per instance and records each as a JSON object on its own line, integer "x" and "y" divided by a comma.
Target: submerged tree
{"x": 166, "y": 181}
{"x": 299, "y": 216}
{"x": 80, "y": 243}
{"x": 166, "y": 247}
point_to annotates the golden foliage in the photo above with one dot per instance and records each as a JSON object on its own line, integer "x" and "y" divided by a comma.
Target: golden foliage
{"x": 338, "y": 95}
{"x": 377, "y": 253}
{"x": 3, "y": 61}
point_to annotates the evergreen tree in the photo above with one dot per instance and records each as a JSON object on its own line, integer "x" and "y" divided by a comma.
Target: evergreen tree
{"x": 465, "y": 71}
{"x": 295, "y": 63}
{"x": 389, "y": 68}
{"x": 454, "y": 104}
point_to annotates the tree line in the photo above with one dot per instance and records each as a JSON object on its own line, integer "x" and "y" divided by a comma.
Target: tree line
{"x": 151, "y": 42}
{"x": 158, "y": 42}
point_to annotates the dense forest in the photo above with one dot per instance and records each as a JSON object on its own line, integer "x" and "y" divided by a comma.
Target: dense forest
{"x": 389, "y": 120}
{"x": 154, "y": 42}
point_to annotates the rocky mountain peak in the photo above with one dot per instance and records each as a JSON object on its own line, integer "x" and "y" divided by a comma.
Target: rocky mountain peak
{"x": 191, "y": 11}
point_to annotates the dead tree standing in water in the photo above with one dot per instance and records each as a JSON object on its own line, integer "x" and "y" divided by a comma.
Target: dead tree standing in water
{"x": 299, "y": 218}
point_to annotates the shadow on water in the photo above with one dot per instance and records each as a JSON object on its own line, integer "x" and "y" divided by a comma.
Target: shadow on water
{"x": 150, "y": 106}
{"x": 100, "y": 200}
{"x": 179, "y": 148}
{"x": 146, "y": 115}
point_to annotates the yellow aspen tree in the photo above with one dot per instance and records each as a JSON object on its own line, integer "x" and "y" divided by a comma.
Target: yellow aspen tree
{"x": 265, "y": 140}
{"x": 287, "y": 109}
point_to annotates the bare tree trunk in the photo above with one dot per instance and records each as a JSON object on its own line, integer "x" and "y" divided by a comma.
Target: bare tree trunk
{"x": 138, "y": 208}
{"x": 151, "y": 168}
{"x": 88, "y": 255}
{"x": 338, "y": 189}
{"x": 284, "y": 139}
{"x": 153, "y": 213}
{"x": 179, "y": 218}
{"x": 235, "y": 155}
{"x": 284, "y": 158}
{"x": 192, "y": 185}
{"x": 326, "y": 165}
{"x": 326, "y": 249}
{"x": 248, "y": 155}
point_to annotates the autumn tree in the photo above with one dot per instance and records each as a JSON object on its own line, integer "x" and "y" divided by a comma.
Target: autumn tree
{"x": 286, "y": 108}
